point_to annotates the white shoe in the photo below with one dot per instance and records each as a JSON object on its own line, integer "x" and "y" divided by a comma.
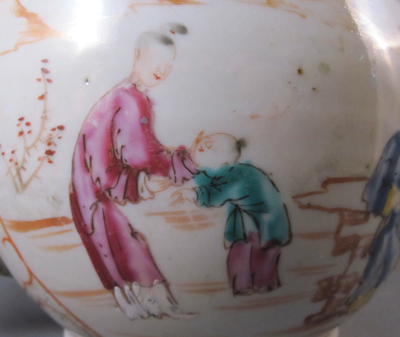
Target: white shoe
{"x": 158, "y": 302}
{"x": 133, "y": 310}
{"x": 135, "y": 302}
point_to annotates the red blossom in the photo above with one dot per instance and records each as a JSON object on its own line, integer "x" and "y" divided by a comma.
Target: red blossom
{"x": 44, "y": 61}
{"x": 28, "y": 123}
{"x": 10, "y": 160}
{"x": 49, "y": 80}
{"x": 13, "y": 151}
{"x": 59, "y": 137}
{"x": 16, "y": 163}
{"x": 39, "y": 79}
{"x": 3, "y": 153}
{"x": 20, "y": 133}
{"x": 18, "y": 124}
{"x": 50, "y": 162}
{"x": 61, "y": 127}
{"x": 49, "y": 152}
{"x": 53, "y": 129}
{"x": 30, "y": 131}
{"x": 172, "y": 31}
{"x": 21, "y": 119}
{"x": 49, "y": 143}
{"x": 40, "y": 158}
{"x": 41, "y": 97}
{"x": 45, "y": 71}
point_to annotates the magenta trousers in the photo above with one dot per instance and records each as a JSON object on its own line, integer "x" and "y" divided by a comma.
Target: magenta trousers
{"x": 252, "y": 268}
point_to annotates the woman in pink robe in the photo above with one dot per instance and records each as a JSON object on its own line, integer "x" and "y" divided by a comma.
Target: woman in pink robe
{"x": 115, "y": 145}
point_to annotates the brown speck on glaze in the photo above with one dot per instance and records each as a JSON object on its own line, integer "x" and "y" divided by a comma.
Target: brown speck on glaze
{"x": 300, "y": 71}
{"x": 314, "y": 89}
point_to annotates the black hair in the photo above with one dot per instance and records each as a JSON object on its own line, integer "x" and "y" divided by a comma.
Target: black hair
{"x": 240, "y": 144}
{"x": 164, "y": 39}
{"x": 178, "y": 28}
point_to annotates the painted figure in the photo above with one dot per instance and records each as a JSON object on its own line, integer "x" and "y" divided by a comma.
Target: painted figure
{"x": 116, "y": 155}
{"x": 383, "y": 199}
{"x": 257, "y": 223}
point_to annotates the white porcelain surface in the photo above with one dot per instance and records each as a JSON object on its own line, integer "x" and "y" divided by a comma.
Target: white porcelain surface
{"x": 312, "y": 87}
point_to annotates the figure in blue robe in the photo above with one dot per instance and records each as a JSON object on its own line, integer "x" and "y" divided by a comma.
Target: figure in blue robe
{"x": 379, "y": 195}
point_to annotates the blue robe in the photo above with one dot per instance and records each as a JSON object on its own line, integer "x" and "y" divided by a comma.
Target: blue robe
{"x": 254, "y": 203}
{"x": 385, "y": 247}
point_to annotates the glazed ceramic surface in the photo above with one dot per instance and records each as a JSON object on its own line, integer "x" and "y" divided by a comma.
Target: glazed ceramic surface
{"x": 200, "y": 168}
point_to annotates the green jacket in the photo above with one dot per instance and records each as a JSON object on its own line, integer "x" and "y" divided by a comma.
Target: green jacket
{"x": 254, "y": 203}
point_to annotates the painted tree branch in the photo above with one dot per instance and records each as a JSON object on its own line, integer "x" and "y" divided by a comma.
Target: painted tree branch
{"x": 41, "y": 141}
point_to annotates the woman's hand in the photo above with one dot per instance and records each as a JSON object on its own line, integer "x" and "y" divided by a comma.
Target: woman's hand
{"x": 157, "y": 184}
{"x": 183, "y": 195}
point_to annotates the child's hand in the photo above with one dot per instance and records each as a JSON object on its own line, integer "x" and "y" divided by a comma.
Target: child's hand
{"x": 182, "y": 195}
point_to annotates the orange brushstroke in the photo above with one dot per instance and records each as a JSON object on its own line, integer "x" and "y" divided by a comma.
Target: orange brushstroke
{"x": 181, "y": 2}
{"x": 315, "y": 235}
{"x": 324, "y": 186}
{"x": 182, "y": 220}
{"x": 194, "y": 227}
{"x": 302, "y": 328}
{"x": 127, "y": 334}
{"x": 27, "y": 226}
{"x": 315, "y": 268}
{"x": 36, "y": 29}
{"x": 204, "y": 288}
{"x": 202, "y": 284}
{"x": 109, "y": 299}
{"x": 51, "y": 234}
{"x": 166, "y": 213}
{"x": 199, "y": 217}
{"x": 177, "y": 220}
{"x": 166, "y": 3}
{"x": 82, "y": 293}
{"x": 47, "y": 290}
{"x": 266, "y": 302}
{"x": 205, "y": 291}
{"x": 277, "y": 4}
{"x": 331, "y": 181}
{"x": 310, "y": 271}
{"x": 61, "y": 248}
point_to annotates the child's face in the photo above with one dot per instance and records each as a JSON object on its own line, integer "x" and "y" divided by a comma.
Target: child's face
{"x": 215, "y": 151}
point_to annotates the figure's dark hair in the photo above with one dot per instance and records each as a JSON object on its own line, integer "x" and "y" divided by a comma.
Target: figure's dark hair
{"x": 240, "y": 144}
{"x": 178, "y": 28}
{"x": 161, "y": 37}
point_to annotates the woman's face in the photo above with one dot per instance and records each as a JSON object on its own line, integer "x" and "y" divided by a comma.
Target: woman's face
{"x": 153, "y": 63}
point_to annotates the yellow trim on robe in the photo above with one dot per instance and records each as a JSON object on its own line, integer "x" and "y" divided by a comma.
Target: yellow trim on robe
{"x": 388, "y": 205}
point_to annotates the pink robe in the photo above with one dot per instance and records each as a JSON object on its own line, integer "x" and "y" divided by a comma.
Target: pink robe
{"x": 116, "y": 142}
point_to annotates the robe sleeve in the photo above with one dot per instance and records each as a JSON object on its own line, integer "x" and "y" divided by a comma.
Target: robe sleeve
{"x": 183, "y": 167}
{"x": 213, "y": 191}
{"x": 134, "y": 141}
{"x": 386, "y": 175}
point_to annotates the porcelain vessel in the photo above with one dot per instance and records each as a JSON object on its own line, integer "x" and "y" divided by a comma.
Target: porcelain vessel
{"x": 200, "y": 168}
